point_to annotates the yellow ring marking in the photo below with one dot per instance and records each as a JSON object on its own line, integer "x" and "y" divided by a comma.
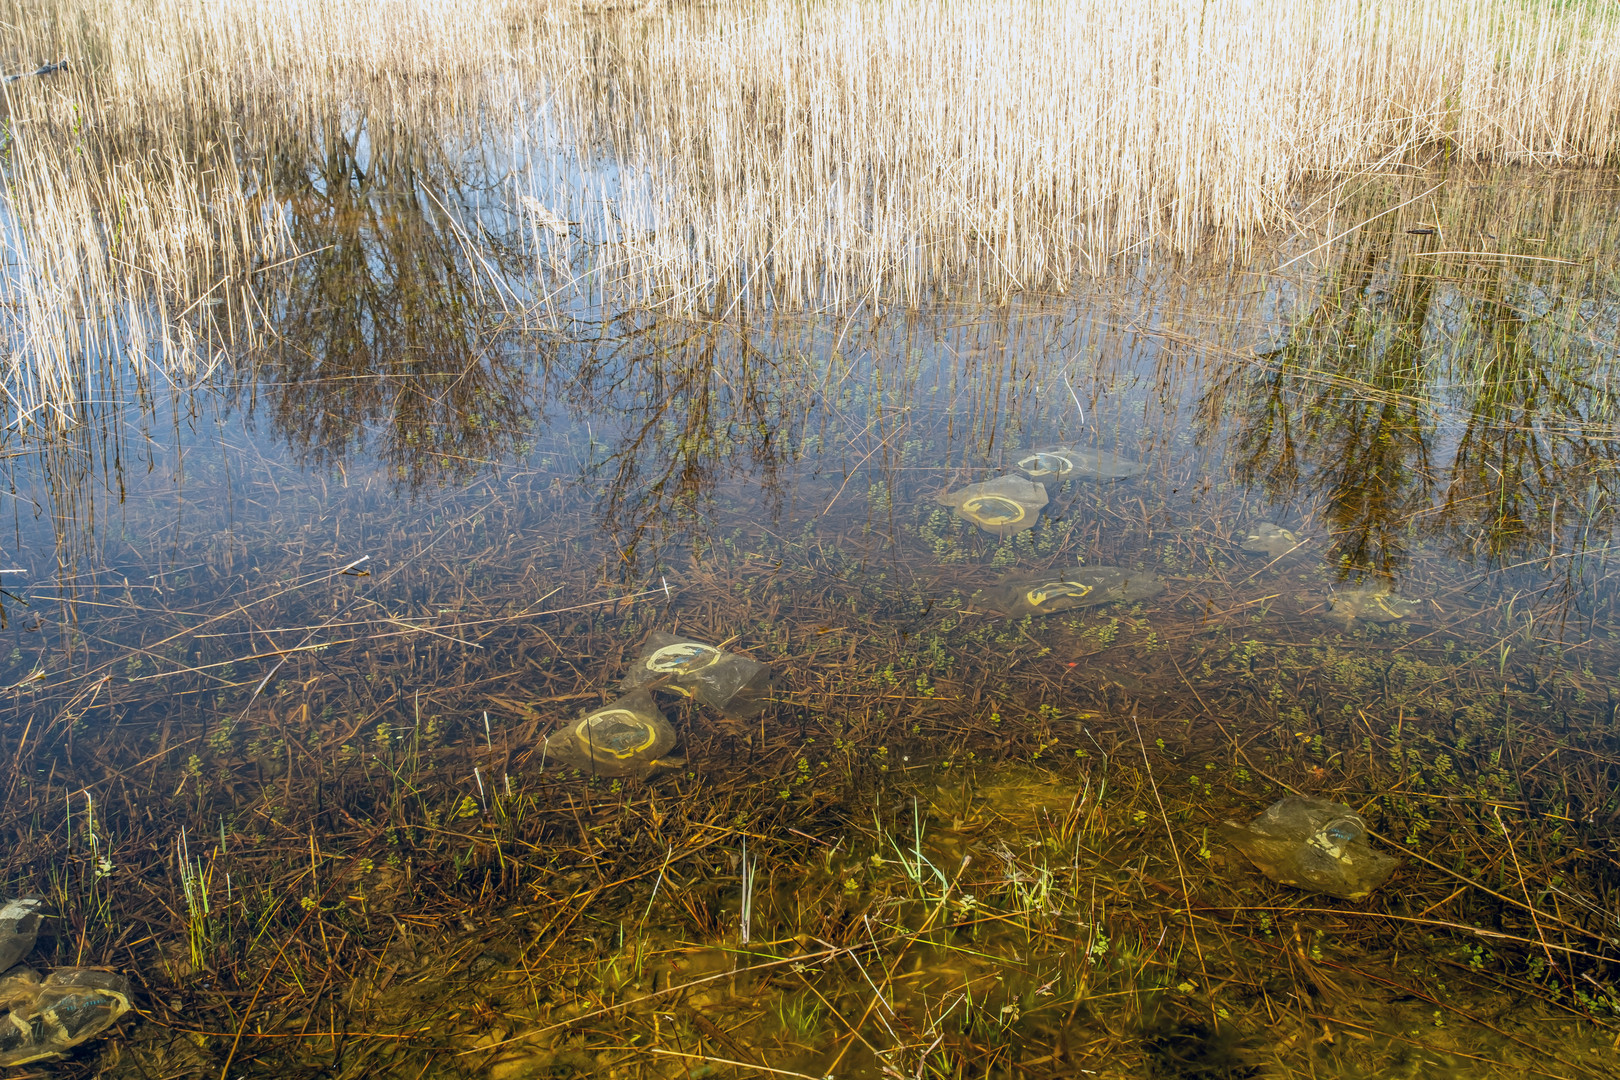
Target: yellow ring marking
{"x": 1046, "y": 464}
{"x": 1379, "y": 600}
{"x": 1052, "y": 590}
{"x": 994, "y": 510}
{"x": 682, "y": 657}
{"x": 583, "y": 734}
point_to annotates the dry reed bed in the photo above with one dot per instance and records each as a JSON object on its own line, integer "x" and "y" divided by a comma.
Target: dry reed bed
{"x": 845, "y": 152}
{"x": 714, "y": 155}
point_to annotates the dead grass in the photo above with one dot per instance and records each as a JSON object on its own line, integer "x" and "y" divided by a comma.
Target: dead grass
{"x": 849, "y": 152}
{"x": 739, "y": 152}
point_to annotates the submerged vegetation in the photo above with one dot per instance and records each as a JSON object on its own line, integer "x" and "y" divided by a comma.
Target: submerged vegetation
{"x": 299, "y": 796}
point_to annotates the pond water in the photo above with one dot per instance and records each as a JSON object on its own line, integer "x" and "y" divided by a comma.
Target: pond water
{"x": 280, "y": 650}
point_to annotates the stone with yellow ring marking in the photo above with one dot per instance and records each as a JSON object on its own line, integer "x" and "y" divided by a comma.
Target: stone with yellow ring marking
{"x": 1056, "y": 464}
{"x": 993, "y": 510}
{"x": 1269, "y": 539}
{"x": 736, "y": 685}
{"x": 626, "y": 737}
{"x": 1375, "y": 602}
{"x": 1001, "y": 507}
{"x": 1077, "y": 587}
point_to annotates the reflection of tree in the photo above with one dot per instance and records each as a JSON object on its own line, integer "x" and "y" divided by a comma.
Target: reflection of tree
{"x": 381, "y": 319}
{"x": 385, "y": 343}
{"x": 1345, "y": 412}
{"x": 1535, "y": 426}
{"x": 700, "y": 403}
{"x": 1338, "y": 411}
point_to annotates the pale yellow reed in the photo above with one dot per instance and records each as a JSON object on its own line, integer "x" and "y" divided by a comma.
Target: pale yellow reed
{"x": 704, "y": 156}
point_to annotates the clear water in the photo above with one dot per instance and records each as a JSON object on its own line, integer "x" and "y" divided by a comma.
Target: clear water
{"x": 343, "y": 593}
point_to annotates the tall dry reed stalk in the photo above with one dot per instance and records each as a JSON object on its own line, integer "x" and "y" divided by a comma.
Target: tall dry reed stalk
{"x": 827, "y": 152}
{"x": 145, "y": 185}
{"x": 844, "y": 150}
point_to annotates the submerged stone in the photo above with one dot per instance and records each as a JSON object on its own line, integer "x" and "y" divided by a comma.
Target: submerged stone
{"x": 1270, "y": 540}
{"x": 627, "y": 737}
{"x": 1315, "y": 845}
{"x": 1081, "y": 587}
{"x": 47, "y": 1019}
{"x": 1055, "y": 464}
{"x": 1372, "y": 603}
{"x": 1001, "y": 507}
{"x": 735, "y": 685}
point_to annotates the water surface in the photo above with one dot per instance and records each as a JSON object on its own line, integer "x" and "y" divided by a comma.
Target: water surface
{"x": 285, "y": 644}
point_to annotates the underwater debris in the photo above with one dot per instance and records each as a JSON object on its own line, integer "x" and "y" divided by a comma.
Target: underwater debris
{"x": 1055, "y": 464}
{"x": 735, "y": 685}
{"x": 626, "y": 737}
{"x": 1083, "y": 586}
{"x": 1376, "y": 603}
{"x": 47, "y": 1019}
{"x": 1269, "y": 539}
{"x": 1004, "y": 506}
{"x": 1315, "y": 845}
{"x": 19, "y": 927}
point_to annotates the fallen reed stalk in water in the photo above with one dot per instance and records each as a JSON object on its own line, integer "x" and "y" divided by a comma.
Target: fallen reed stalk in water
{"x": 407, "y": 885}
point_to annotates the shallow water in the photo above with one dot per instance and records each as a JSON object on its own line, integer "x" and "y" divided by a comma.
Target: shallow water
{"x": 338, "y": 597}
